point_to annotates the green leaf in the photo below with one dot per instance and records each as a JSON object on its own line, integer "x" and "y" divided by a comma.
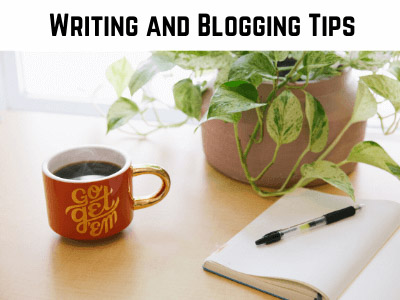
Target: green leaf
{"x": 330, "y": 173}
{"x": 395, "y": 69}
{"x": 222, "y": 75}
{"x": 232, "y": 98}
{"x": 147, "y": 99}
{"x": 252, "y": 67}
{"x": 200, "y": 60}
{"x": 325, "y": 72}
{"x": 188, "y": 97}
{"x": 371, "y": 153}
{"x": 368, "y": 60}
{"x": 317, "y": 122}
{"x": 120, "y": 112}
{"x": 318, "y": 59}
{"x": 162, "y": 61}
{"x": 365, "y": 106}
{"x": 158, "y": 62}
{"x": 230, "y": 118}
{"x": 285, "y": 118}
{"x": 394, "y": 169}
{"x": 296, "y": 54}
{"x": 384, "y": 86}
{"x": 119, "y": 74}
{"x": 240, "y": 53}
{"x": 278, "y": 55}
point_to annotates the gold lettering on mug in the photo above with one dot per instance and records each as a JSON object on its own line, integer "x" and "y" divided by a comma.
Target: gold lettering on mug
{"x": 93, "y": 210}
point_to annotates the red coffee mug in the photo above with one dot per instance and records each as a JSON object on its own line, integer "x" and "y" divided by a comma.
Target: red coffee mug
{"x": 95, "y": 208}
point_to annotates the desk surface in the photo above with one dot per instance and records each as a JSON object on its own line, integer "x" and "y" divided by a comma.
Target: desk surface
{"x": 160, "y": 255}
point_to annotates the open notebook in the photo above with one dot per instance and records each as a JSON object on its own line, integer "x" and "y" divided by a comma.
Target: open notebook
{"x": 333, "y": 261}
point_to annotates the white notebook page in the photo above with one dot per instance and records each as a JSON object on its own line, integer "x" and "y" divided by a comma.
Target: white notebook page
{"x": 327, "y": 258}
{"x": 380, "y": 278}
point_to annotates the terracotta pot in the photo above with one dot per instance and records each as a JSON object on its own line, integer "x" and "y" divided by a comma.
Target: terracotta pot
{"x": 337, "y": 96}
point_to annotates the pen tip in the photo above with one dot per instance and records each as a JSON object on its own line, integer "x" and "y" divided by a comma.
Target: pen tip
{"x": 260, "y": 241}
{"x": 359, "y": 206}
{"x": 270, "y": 238}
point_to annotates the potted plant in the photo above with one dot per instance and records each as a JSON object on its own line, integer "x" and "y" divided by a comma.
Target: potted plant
{"x": 278, "y": 118}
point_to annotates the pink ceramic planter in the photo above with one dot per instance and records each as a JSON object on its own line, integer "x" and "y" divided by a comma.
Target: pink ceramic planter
{"x": 337, "y": 96}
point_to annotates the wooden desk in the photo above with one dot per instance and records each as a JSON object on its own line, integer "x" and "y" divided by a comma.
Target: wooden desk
{"x": 160, "y": 255}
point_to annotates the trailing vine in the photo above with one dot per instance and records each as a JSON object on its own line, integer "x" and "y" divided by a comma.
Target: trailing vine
{"x": 240, "y": 73}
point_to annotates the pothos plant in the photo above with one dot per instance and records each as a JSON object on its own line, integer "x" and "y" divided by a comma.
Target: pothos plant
{"x": 280, "y": 115}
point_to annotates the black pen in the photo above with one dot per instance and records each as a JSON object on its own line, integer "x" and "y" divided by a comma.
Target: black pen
{"x": 327, "y": 219}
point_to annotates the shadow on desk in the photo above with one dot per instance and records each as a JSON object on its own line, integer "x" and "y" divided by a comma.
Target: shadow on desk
{"x": 93, "y": 270}
{"x": 92, "y": 244}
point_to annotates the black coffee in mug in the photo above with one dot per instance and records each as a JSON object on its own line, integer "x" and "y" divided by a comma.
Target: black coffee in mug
{"x": 87, "y": 170}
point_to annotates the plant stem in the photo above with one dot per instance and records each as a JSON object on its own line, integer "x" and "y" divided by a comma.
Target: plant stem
{"x": 300, "y": 87}
{"x": 260, "y": 116}
{"x": 285, "y": 68}
{"x": 251, "y": 140}
{"x": 300, "y": 183}
{"x": 175, "y": 124}
{"x": 294, "y": 69}
{"x": 388, "y": 116}
{"x": 328, "y": 150}
{"x": 271, "y": 95}
{"x": 393, "y": 126}
{"x": 137, "y": 132}
{"x": 296, "y": 165}
{"x": 334, "y": 143}
{"x": 257, "y": 127}
{"x": 243, "y": 161}
{"x": 144, "y": 119}
{"x": 260, "y": 192}
{"x": 157, "y": 116}
{"x": 267, "y": 166}
{"x": 381, "y": 121}
{"x": 157, "y": 127}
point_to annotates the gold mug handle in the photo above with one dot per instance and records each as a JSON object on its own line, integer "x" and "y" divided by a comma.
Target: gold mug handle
{"x": 146, "y": 201}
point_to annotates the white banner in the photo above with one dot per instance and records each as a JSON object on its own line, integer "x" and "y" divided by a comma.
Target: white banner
{"x": 198, "y": 25}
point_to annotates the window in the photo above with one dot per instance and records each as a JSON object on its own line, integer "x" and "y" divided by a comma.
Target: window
{"x": 75, "y": 83}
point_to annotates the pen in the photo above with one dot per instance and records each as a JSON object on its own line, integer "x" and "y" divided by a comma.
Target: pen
{"x": 327, "y": 219}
